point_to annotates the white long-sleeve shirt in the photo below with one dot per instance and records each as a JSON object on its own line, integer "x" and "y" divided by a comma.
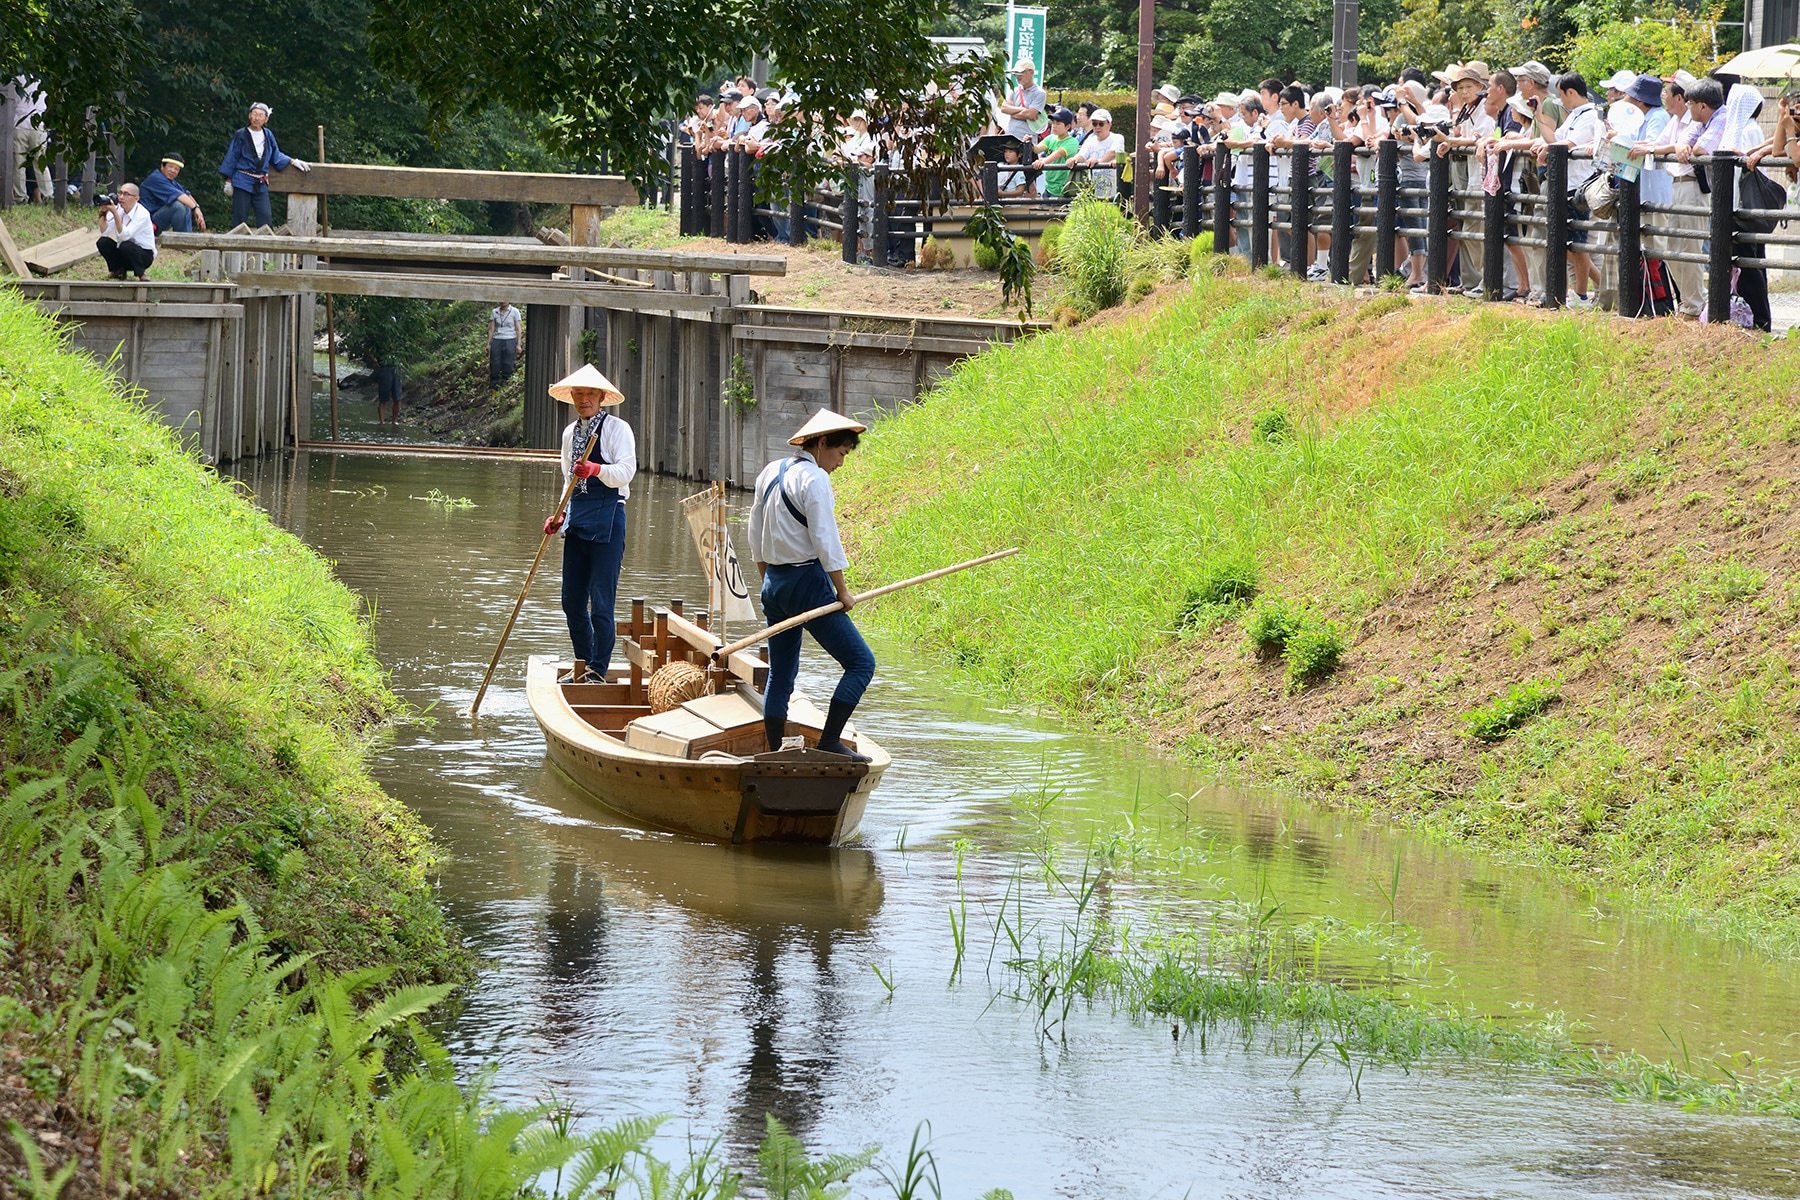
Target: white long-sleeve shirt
{"x": 776, "y": 537}
{"x": 133, "y": 226}
{"x": 617, "y": 453}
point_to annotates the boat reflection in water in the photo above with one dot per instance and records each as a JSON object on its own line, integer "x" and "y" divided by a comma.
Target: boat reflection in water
{"x": 775, "y": 931}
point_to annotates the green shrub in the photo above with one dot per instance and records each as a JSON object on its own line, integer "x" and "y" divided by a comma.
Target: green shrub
{"x": 1141, "y": 286}
{"x": 1199, "y": 251}
{"x": 1272, "y": 622}
{"x": 1382, "y": 305}
{"x": 1096, "y": 241}
{"x": 1272, "y": 425}
{"x": 1312, "y": 651}
{"x": 1497, "y": 720}
{"x": 986, "y": 256}
{"x": 1223, "y": 586}
{"x": 1048, "y": 245}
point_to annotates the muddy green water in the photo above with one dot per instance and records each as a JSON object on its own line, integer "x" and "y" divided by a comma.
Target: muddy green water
{"x": 636, "y": 972}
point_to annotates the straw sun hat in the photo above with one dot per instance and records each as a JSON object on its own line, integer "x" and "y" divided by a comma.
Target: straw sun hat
{"x": 823, "y": 422}
{"x": 587, "y": 377}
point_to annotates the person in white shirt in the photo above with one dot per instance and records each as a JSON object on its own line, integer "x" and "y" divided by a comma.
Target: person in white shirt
{"x": 794, "y": 541}
{"x": 503, "y": 343}
{"x": 1682, "y": 191}
{"x": 594, "y": 529}
{"x": 1580, "y": 130}
{"x": 1102, "y": 148}
{"x": 29, "y": 139}
{"x": 127, "y": 235}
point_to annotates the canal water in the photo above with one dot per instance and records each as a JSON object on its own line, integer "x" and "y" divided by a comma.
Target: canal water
{"x": 636, "y": 972}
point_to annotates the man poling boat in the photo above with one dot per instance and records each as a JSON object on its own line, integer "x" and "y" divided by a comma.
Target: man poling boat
{"x": 794, "y": 543}
{"x": 599, "y": 459}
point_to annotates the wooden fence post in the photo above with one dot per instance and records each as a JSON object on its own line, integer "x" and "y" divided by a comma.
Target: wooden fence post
{"x": 878, "y": 217}
{"x": 1300, "y": 209}
{"x": 1437, "y": 225}
{"x": 1631, "y": 250}
{"x": 1556, "y": 228}
{"x": 715, "y": 194}
{"x": 1190, "y": 192}
{"x": 1343, "y": 209}
{"x": 850, "y": 214}
{"x": 1221, "y": 214}
{"x": 1493, "y": 243}
{"x": 1259, "y": 205}
{"x": 1722, "y": 230}
{"x": 1387, "y": 200}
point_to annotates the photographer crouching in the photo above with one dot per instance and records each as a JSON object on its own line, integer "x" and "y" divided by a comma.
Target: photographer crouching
{"x": 127, "y": 235}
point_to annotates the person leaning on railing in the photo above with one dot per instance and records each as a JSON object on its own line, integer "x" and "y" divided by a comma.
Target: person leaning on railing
{"x": 1665, "y": 181}
{"x": 1580, "y": 130}
{"x": 1470, "y": 122}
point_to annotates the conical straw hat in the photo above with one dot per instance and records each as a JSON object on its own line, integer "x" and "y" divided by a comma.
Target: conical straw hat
{"x": 825, "y": 421}
{"x": 587, "y": 377}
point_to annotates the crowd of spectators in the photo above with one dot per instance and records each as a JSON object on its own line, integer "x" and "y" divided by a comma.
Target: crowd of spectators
{"x": 1495, "y": 126}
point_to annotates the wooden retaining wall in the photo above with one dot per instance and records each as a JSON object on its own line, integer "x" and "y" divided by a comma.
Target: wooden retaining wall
{"x": 798, "y": 361}
{"x": 220, "y": 368}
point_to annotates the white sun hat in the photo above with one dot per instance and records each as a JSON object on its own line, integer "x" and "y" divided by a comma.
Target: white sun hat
{"x": 1025, "y": 64}
{"x": 823, "y": 422}
{"x": 1621, "y": 80}
{"x": 588, "y": 376}
{"x": 1170, "y": 92}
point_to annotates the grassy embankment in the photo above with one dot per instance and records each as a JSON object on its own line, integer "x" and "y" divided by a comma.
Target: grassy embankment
{"x": 1557, "y": 548}
{"x": 214, "y": 921}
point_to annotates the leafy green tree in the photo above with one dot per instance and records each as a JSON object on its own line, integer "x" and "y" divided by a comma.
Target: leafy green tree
{"x": 78, "y": 51}
{"x": 207, "y": 60}
{"x": 600, "y": 73}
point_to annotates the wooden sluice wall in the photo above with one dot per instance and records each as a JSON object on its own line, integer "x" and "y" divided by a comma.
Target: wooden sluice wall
{"x": 222, "y": 369}
{"x": 673, "y": 373}
{"x": 230, "y": 366}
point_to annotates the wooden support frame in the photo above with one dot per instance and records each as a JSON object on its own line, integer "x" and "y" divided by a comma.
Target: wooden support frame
{"x": 350, "y": 247}
{"x": 437, "y": 183}
{"x": 444, "y": 287}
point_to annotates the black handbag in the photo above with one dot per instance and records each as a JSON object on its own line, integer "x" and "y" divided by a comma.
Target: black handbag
{"x": 1756, "y": 190}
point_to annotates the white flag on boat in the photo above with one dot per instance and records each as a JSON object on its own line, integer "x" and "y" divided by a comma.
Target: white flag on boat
{"x": 727, "y": 593}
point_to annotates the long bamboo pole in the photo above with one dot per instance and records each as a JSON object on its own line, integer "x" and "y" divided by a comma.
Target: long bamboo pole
{"x": 725, "y": 652}
{"x": 518, "y": 604}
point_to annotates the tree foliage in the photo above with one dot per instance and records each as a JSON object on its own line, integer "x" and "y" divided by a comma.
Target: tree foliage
{"x": 78, "y": 51}
{"x": 601, "y": 73}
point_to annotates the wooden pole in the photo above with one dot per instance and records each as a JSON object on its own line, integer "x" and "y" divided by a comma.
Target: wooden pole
{"x": 330, "y": 312}
{"x": 725, "y": 652}
{"x": 544, "y": 545}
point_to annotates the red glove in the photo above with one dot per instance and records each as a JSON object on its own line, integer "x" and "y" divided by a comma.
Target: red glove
{"x": 552, "y": 524}
{"x": 586, "y": 469}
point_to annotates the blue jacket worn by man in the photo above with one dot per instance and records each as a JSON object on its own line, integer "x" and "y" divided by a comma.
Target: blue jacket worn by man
{"x": 162, "y": 195}
{"x": 249, "y": 158}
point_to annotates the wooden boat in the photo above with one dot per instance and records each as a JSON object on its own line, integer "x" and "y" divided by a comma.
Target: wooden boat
{"x": 702, "y": 767}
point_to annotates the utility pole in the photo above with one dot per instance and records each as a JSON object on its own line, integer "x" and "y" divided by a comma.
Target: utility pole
{"x": 1140, "y": 189}
{"x": 1345, "y": 15}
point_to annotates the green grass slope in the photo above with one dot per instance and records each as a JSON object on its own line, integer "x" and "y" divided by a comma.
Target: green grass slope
{"x": 1392, "y": 472}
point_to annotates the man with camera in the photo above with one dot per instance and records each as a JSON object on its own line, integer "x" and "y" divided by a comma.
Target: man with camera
{"x": 127, "y": 237}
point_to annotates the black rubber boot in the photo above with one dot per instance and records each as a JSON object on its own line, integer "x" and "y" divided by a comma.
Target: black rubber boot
{"x": 831, "y": 739}
{"x": 773, "y": 730}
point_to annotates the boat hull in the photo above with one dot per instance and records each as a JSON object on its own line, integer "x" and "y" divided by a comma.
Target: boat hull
{"x": 809, "y": 798}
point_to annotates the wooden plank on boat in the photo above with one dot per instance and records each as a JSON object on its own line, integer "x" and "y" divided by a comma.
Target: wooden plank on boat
{"x": 727, "y": 710}
{"x": 676, "y": 732}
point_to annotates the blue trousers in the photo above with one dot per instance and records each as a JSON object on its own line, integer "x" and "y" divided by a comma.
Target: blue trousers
{"x": 173, "y": 217}
{"x": 248, "y": 201}
{"x": 788, "y": 591}
{"x": 590, "y": 592}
